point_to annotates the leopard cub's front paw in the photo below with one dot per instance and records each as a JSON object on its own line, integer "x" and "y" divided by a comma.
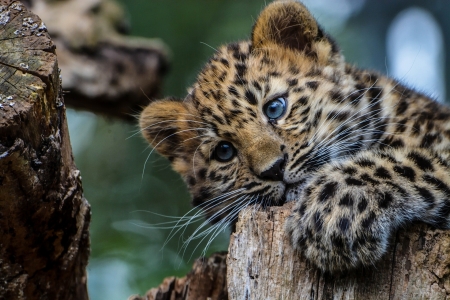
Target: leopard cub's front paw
{"x": 338, "y": 226}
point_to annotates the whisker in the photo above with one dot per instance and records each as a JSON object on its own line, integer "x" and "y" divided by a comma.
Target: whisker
{"x": 236, "y": 206}
{"x": 204, "y": 208}
{"x": 209, "y": 46}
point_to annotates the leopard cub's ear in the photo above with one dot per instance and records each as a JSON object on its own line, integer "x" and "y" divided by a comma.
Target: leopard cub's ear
{"x": 165, "y": 125}
{"x": 290, "y": 24}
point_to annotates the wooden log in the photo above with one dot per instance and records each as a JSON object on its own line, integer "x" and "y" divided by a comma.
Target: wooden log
{"x": 261, "y": 264}
{"x": 44, "y": 218}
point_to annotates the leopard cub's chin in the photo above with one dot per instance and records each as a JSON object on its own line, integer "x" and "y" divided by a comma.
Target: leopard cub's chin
{"x": 293, "y": 191}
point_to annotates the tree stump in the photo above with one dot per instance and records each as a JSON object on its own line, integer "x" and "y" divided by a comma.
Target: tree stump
{"x": 261, "y": 264}
{"x": 44, "y": 218}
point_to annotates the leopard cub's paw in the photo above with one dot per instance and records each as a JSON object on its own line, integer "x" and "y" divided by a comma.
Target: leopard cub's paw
{"x": 337, "y": 226}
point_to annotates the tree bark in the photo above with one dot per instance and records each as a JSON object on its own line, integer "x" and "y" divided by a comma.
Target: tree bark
{"x": 261, "y": 264}
{"x": 207, "y": 280}
{"x": 103, "y": 70}
{"x": 44, "y": 218}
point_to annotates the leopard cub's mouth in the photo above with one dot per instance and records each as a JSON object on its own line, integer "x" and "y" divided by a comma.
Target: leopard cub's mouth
{"x": 291, "y": 193}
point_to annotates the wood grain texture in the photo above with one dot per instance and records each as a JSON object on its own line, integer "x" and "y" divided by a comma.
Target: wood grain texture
{"x": 261, "y": 264}
{"x": 44, "y": 218}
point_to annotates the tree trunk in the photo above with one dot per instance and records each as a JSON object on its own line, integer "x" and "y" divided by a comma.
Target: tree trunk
{"x": 261, "y": 264}
{"x": 44, "y": 218}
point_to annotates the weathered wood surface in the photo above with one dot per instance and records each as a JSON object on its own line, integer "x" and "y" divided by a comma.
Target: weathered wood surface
{"x": 207, "y": 280}
{"x": 261, "y": 264}
{"x": 103, "y": 70}
{"x": 44, "y": 218}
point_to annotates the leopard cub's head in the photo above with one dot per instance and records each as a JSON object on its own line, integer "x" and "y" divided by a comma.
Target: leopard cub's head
{"x": 249, "y": 128}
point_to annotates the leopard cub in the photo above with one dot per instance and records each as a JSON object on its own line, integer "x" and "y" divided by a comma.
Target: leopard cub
{"x": 282, "y": 117}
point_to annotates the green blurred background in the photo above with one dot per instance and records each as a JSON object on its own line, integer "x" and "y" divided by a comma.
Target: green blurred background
{"x": 123, "y": 188}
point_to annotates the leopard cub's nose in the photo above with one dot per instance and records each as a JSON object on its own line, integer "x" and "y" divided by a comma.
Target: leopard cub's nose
{"x": 275, "y": 172}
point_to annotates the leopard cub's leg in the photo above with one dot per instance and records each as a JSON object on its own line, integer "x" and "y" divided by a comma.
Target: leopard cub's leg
{"x": 346, "y": 214}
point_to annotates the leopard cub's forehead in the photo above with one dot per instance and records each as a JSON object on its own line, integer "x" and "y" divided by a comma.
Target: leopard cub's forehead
{"x": 238, "y": 79}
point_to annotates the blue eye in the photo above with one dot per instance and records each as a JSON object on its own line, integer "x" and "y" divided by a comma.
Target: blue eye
{"x": 224, "y": 151}
{"x": 275, "y": 109}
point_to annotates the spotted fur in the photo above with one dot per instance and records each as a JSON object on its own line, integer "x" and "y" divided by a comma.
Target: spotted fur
{"x": 359, "y": 153}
